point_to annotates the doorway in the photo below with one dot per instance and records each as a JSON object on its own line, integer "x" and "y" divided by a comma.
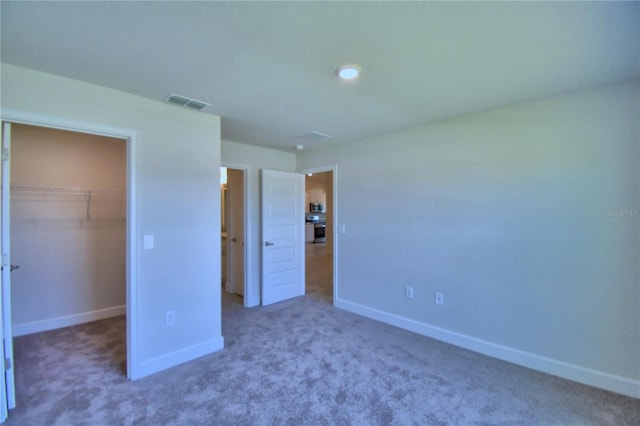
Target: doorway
{"x": 320, "y": 212}
{"x": 69, "y": 228}
{"x": 233, "y": 218}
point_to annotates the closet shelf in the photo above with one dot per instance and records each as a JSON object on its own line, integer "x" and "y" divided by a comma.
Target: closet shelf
{"x": 61, "y": 193}
{"x": 69, "y": 194}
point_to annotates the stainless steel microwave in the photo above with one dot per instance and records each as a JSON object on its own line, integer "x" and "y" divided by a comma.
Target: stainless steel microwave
{"x": 315, "y": 207}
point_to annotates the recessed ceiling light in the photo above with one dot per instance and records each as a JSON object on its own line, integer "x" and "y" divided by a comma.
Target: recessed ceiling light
{"x": 348, "y": 72}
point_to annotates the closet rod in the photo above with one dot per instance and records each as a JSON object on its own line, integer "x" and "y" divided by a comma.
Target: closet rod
{"x": 62, "y": 190}
{"x": 69, "y": 194}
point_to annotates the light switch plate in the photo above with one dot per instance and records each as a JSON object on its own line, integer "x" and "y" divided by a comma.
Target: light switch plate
{"x": 148, "y": 242}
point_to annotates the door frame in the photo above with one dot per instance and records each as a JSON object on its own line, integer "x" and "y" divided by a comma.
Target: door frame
{"x": 130, "y": 138}
{"x": 334, "y": 232}
{"x": 246, "y": 249}
{"x": 8, "y": 383}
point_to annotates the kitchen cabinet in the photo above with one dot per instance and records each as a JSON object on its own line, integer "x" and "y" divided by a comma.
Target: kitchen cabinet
{"x": 309, "y": 233}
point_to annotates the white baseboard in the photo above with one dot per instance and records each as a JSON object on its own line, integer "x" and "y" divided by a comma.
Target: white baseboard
{"x": 178, "y": 357}
{"x": 558, "y": 368}
{"x": 66, "y": 321}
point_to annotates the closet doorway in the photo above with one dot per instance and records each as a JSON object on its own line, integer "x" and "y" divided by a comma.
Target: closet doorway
{"x": 68, "y": 230}
{"x": 233, "y": 217}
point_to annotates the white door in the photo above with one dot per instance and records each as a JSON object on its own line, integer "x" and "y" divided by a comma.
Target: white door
{"x": 282, "y": 236}
{"x": 235, "y": 231}
{"x": 8, "y": 384}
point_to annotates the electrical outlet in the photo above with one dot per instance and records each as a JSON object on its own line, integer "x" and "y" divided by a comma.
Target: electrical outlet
{"x": 408, "y": 292}
{"x": 169, "y": 318}
{"x": 439, "y": 298}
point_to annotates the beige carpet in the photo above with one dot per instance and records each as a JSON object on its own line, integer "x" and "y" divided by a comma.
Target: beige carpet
{"x": 300, "y": 362}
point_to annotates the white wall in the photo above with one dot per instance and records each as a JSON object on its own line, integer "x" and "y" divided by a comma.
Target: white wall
{"x": 175, "y": 179}
{"x": 253, "y": 159}
{"x": 71, "y": 250}
{"x": 509, "y": 214}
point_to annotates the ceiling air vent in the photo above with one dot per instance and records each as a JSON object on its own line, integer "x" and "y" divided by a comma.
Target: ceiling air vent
{"x": 186, "y": 102}
{"x": 314, "y": 136}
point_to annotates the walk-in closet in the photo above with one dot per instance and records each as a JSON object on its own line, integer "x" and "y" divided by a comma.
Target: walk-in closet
{"x": 68, "y": 228}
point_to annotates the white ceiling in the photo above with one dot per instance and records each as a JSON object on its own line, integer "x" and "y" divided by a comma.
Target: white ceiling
{"x": 267, "y": 68}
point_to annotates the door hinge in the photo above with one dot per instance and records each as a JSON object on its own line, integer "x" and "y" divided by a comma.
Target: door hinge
{"x": 5, "y": 154}
{"x": 7, "y": 364}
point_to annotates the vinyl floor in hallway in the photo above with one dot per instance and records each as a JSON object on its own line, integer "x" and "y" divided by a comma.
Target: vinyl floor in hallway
{"x": 318, "y": 276}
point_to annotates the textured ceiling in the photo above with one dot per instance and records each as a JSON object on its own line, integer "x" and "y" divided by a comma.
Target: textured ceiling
{"x": 267, "y": 67}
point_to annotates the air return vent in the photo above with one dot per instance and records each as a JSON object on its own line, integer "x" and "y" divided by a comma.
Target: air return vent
{"x": 314, "y": 136}
{"x": 186, "y": 102}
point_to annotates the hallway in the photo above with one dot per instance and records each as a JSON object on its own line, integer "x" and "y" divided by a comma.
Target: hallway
{"x": 319, "y": 271}
{"x": 318, "y": 276}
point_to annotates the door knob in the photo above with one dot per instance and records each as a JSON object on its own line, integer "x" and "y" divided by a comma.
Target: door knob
{"x": 267, "y": 244}
{"x": 13, "y": 268}
{"x": 233, "y": 240}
